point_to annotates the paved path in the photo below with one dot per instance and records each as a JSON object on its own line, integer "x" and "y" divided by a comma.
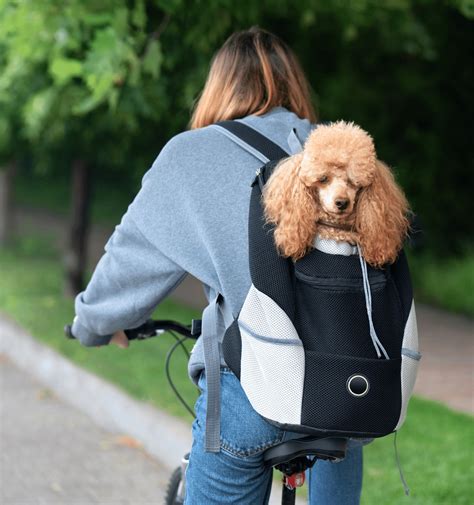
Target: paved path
{"x": 52, "y": 454}
{"x": 446, "y": 340}
{"x": 447, "y": 366}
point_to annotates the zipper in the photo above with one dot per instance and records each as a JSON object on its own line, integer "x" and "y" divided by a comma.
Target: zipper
{"x": 377, "y": 280}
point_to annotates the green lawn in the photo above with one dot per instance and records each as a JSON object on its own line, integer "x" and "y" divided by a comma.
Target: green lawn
{"x": 448, "y": 283}
{"x": 435, "y": 444}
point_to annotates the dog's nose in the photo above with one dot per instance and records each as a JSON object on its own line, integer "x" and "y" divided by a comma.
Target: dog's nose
{"x": 342, "y": 203}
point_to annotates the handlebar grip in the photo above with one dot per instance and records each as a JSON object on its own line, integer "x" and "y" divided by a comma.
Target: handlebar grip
{"x": 141, "y": 331}
{"x": 150, "y": 328}
{"x": 147, "y": 329}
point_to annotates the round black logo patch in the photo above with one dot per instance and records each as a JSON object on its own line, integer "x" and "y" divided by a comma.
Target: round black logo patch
{"x": 357, "y": 385}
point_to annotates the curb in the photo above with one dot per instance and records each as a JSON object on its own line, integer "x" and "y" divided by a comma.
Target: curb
{"x": 165, "y": 437}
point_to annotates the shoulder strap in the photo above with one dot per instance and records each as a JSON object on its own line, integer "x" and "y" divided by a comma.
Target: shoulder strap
{"x": 252, "y": 141}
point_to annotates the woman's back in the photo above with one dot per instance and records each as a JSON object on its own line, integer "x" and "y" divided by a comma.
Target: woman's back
{"x": 193, "y": 205}
{"x": 192, "y": 209}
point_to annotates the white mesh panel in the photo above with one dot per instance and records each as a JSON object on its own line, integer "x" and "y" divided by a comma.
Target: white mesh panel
{"x": 409, "y": 365}
{"x": 263, "y": 316}
{"x": 272, "y": 374}
{"x": 410, "y": 337}
{"x": 330, "y": 246}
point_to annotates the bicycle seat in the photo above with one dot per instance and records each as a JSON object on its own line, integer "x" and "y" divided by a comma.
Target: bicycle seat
{"x": 332, "y": 449}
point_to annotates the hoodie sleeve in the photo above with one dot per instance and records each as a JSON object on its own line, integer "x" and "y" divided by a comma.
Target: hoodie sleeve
{"x": 130, "y": 280}
{"x": 133, "y": 275}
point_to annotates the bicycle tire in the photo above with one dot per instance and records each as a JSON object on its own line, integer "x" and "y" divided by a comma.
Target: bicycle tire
{"x": 172, "y": 488}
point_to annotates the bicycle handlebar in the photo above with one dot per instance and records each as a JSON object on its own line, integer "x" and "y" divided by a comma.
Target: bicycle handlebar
{"x": 152, "y": 328}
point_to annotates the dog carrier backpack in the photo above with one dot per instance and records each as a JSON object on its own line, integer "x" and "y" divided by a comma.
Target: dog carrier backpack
{"x": 326, "y": 345}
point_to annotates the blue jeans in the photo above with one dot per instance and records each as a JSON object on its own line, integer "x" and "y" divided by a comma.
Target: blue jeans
{"x": 237, "y": 474}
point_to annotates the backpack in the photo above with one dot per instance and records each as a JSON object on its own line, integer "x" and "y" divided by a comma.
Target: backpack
{"x": 326, "y": 345}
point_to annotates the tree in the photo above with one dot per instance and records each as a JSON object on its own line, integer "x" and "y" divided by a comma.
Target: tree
{"x": 98, "y": 72}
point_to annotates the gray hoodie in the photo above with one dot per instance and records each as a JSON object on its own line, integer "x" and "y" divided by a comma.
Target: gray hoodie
{"x": 190, "y": 215}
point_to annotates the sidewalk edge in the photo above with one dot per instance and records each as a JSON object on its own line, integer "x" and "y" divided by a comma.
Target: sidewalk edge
{"x": 165, "y": 437}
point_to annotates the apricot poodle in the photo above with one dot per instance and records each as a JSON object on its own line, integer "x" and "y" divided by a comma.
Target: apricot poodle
{"x": 337, "y": 188}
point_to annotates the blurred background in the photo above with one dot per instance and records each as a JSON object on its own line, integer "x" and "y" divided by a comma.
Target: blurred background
{"x": 90, "y": 91}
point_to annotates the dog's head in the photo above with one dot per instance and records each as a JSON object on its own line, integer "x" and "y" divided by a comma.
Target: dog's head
{"x": 337, "y": 178}
{"x": 338, "y": 160}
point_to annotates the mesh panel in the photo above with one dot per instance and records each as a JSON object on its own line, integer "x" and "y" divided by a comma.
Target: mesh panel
{"x": 401, "y": 277}
{"x": 270, "y": 272}
{"x": 232, "y": 348}
{"x": 265, "y": 317}
{"x": 272, "y": 377}
{"x": 409, "y": 365}
{"x": 327, "y": 404}
{"x": 330, "y": 246}
{"x": 321, "y": 264}
{"x": 410, "y": 338}
{"x": 272, "y": 374}
{"x": 330, "y": 309}
{"x": 409, "y": 371}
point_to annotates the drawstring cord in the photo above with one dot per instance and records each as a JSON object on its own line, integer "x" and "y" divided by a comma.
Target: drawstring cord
{"x": 379, "y": 348}
{"x": 402, "y": 478}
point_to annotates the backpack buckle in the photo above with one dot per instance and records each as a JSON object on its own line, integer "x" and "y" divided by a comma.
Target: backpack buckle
{"x": 196, "y": 327}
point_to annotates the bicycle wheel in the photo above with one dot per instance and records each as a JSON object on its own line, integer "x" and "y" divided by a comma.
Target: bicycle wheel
{"x": 172, "y": 489}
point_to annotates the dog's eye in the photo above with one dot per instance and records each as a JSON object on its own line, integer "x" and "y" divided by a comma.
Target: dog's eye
{"x": 323, "y": 179}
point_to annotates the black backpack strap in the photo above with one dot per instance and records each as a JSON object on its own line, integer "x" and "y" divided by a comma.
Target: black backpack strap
{"x": 252, "y": 141}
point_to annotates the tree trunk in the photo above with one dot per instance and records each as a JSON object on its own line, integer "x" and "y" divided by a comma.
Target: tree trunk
{"x": 7, "y": 224}
{"x": 76, "y": 248}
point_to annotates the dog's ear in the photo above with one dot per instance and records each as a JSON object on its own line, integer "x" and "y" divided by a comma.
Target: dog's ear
{"x": 291, "y": 206}
{"x": 381, "y": 218}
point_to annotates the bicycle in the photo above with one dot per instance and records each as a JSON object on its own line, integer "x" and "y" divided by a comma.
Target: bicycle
{"x": 292, "y": 457}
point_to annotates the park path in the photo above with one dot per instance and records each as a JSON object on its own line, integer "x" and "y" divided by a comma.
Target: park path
{"x": 446, "y": 340}
{"x": 54, "y": 454}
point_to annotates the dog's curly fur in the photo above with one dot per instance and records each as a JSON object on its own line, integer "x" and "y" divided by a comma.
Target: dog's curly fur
{"x": 294, "y": 196}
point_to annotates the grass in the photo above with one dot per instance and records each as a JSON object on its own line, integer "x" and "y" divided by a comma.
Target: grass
{"x": 435, "y": 444}
{"x": 436, "y": 451}
{"x": 448, "y": 283}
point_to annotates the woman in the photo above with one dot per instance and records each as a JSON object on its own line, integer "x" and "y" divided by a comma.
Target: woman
{"x": 191, "y": 216}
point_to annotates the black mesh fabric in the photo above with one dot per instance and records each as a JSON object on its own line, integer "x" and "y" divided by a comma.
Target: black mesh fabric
{"x": 402, "y": 280}
{"x": 327, "y": 404}
{"x": 330, "y": 312}
{"x": 232, "y": 347}
{"x": 271, "y": 273}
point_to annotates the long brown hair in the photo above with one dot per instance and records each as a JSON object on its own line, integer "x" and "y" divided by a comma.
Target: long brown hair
{"x": 251, "y": 73}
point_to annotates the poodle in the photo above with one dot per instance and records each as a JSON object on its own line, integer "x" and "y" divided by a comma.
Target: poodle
{"x": 337, "y": 188}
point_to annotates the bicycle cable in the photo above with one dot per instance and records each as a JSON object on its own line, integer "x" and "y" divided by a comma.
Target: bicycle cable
{"x": 179, "y": 342}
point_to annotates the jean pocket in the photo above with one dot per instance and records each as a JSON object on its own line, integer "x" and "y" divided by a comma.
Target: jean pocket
{"x": 244, "y": 433}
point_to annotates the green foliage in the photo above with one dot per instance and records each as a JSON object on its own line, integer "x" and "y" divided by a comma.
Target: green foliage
{"x": 114, "y": 80}
{"x": 92, "y": 71}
